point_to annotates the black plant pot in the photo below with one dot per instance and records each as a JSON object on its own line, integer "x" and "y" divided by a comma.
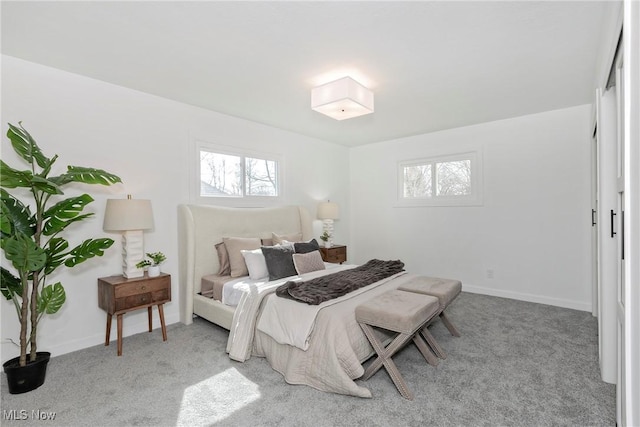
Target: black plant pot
{"x": 22, "y": 379}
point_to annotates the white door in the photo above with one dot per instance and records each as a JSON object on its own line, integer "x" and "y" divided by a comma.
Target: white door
{"x": 606, "y": 106}
{"x": 595, "y": 280}
{"x": 619, "y": 225}
{"x": 631, "y": 205}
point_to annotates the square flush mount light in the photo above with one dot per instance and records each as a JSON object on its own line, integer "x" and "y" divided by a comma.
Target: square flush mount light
{"x": 342, "y": 99}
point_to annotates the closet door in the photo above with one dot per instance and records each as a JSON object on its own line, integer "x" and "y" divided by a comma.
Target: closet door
{"x": 619, "y": 226}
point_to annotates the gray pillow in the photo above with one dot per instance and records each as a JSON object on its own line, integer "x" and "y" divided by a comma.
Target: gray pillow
{"x": 279, "y": 261}
{"x": 306, "y": 247}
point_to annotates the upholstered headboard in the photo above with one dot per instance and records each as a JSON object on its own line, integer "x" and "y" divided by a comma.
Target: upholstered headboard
{"x": 200, "y": 227}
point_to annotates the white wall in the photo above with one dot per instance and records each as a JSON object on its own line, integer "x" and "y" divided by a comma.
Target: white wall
{"x": 146, "y": 141}
{"x": 533, "y": 229}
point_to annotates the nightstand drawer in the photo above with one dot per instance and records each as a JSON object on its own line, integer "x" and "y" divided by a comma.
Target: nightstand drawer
{"x": 140, "y": 287}
{"x": 132, "y": 301}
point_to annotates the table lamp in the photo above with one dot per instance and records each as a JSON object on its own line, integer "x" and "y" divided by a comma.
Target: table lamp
{"x": 131, "y": 217}
{"x": 327, "y": 212}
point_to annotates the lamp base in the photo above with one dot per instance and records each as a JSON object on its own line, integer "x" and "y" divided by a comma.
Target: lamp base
{"x": 327, "y": 226}
{"x": 132, "y": 253}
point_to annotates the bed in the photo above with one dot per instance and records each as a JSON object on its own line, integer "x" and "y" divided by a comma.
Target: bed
{"x": 327, "y": 353}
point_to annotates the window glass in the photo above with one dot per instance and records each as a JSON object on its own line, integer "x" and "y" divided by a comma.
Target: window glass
{"x": 220, "y": 174}
{"x": 453, "y": 180}
{"x": 261, "y": 177}
{"x": 417, "y": 181}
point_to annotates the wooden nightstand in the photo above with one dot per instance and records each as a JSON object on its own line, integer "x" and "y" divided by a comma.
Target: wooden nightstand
{"x": 336, "y": 254}
{"x": 118, "y": 295}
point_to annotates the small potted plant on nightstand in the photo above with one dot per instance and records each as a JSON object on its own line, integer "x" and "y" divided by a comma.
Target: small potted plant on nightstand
{"x": 154, "y": 261}
{"x": 325, "y": 236}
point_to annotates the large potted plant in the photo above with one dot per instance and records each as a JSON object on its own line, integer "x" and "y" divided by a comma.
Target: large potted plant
{"x": 31, "y": 228}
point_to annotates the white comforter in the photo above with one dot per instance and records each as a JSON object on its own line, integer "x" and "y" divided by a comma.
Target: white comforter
{"x": 320, "y": 346}
{"x": 291, "y": 322}
{"x": 245, "y": 316}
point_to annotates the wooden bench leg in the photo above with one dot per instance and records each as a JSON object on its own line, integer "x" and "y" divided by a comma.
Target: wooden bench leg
{"x": 384, "y": 359}
{"x": 429, "y": 338}
{"x": 425, "y": 350}
{"x": 447, "y": 323}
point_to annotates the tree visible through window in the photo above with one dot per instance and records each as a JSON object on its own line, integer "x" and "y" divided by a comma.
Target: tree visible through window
{"x": 453, "y": 178}
{"x": 261, "y": 177}
{"x": 227, "y": 175}
{"x": 417, "y": 181}
{"x": 450, "y": 178}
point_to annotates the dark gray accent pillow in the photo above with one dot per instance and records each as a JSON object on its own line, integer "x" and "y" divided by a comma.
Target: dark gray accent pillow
{"x": 306, "y": 247}
{"x": 279, "y": 261}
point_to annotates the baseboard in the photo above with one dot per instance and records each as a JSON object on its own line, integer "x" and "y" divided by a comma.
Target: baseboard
{"x": 520, "y": 296}
{"x": 97, "y": 339}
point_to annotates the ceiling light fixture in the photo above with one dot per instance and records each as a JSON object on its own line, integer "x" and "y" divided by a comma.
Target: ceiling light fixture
{"x": 342, "y": 99}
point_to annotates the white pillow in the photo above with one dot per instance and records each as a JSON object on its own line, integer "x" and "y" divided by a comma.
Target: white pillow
{"x": 256, "y": 264}
{"x": 306, "y": 263}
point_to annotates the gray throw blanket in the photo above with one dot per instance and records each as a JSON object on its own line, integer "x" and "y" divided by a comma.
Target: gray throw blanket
{"x": 324, "y": 288}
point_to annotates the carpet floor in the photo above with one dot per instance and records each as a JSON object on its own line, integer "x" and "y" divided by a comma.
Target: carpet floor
{"x": 516, "y": 364}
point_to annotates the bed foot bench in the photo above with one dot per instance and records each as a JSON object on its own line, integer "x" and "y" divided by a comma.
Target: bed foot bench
{"x": 446, "y": 290}
{"x": 405, "y": 313}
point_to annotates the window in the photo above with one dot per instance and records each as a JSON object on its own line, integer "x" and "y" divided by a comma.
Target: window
{"x": 440, "y": 181}
{"x": 225, "y": 173}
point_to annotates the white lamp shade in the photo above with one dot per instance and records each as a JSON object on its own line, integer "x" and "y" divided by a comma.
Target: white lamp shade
{"x": 328, "y": 210}
{"x": 127, "y": 214}
{"x": 342, "y": 99}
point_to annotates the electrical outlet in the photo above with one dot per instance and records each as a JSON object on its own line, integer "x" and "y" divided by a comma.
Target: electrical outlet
{"x": 490, "y": 273}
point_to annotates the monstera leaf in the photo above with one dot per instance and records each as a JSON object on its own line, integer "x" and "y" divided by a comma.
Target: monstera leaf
{"x": 87, "y": 249}
{"x": 16, "y": 217}
{"x": 25, "y": 146}
{"x": 24, "y": 254}
{"x": 10, "y": 285}
{"x": 56, "y": 254}
{"x": 51, "y": 299}
{"x": 12, "y": 178}
{"x": 86, "y": 176}
{"x": 62, "y": 214}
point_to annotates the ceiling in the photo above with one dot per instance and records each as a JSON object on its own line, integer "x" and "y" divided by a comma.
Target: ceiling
{"x": 432, "y": 65}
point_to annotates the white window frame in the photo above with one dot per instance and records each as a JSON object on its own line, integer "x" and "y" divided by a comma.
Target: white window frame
{"x": 242, "y": 200}
{"x": 473, "y": 199}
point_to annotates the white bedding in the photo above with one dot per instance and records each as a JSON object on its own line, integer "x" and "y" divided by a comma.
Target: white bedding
{"x": 232, "y": 290}
{"x": 245, "y": 316}
{"x": 291, "y": 322}
{"x": 337, "y": 347}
